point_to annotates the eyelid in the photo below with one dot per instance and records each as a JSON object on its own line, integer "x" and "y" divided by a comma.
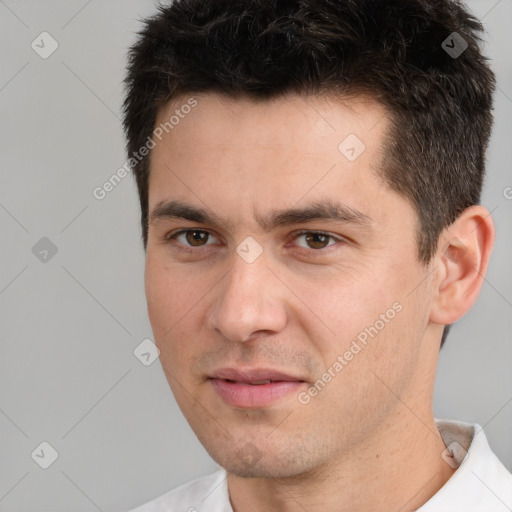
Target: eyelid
{"x": 337, "y": 238}
{"x": 173, "y": 235}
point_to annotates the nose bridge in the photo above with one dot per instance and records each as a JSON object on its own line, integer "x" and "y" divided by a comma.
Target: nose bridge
{"x": 248, "y": 301}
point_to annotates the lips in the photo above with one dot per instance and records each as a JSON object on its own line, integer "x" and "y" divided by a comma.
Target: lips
{"x": 253, "y": 387}
{"x": 253, "y": 375}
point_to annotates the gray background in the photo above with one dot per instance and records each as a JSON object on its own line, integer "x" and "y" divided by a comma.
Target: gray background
{"x": 69, "y": 325}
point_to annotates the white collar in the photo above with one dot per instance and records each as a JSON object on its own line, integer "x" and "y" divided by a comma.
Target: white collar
{"x": 481, "y": 483}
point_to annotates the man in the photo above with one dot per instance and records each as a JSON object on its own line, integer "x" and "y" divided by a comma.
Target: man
{"x": 309, "y": 177}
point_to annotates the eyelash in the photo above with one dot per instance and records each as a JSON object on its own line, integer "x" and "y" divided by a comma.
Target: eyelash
{"x": 170, "y": 239}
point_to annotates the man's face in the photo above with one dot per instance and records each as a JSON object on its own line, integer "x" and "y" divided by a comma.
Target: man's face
{"x": 240, "y": 300}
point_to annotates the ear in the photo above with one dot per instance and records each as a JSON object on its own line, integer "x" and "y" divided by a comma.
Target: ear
{"x": 461, "y": 263}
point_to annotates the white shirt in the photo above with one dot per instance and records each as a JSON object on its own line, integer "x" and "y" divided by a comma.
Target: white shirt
{"x": 480, "y": 484}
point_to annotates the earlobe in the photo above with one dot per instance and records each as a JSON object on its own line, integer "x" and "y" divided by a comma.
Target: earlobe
{"x": 462, "y": 258}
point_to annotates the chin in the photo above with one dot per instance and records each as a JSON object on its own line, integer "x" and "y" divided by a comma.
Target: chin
{"x": 258, "y": 470}
{"x": 251, "y": 462}
{"x": 248, "y": 471}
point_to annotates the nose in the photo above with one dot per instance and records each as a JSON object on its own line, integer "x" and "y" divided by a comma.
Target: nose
{"x": 250, "y": 301}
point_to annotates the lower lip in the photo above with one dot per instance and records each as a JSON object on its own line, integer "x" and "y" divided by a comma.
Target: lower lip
{"x": 238, "y": 394}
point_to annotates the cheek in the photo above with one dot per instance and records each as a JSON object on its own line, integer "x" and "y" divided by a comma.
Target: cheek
{"x": 369, "y": 319}
{"x": 348, "y": 304}
{"x": 169, "y": 295}
{"x": 167, "y": 301}
{"x": 174, "y": 309}
{"x": 160, "y": 297}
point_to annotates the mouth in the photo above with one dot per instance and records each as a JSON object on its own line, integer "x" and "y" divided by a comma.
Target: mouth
{"x": 254, "y": 388}
{"x": 255, "y": 383}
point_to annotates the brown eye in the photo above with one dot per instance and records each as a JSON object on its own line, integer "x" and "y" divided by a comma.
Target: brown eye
{"x": 189, "y": 238}
{"x": 196, "y": 238}
{"x": 314, "y": 240}
{"x": 317, "y": 240}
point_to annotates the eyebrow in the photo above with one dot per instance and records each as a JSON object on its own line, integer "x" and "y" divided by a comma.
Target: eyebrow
{"x": 319, "y": 210}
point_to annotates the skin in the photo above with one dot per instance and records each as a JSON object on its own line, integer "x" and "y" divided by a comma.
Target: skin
{"x": 367, "y": 440}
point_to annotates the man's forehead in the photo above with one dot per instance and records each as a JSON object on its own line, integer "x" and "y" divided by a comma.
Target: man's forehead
{"x": 294, "y": 135}
{"x": 324, "y": 106}
{"x": 272, "y": 180}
